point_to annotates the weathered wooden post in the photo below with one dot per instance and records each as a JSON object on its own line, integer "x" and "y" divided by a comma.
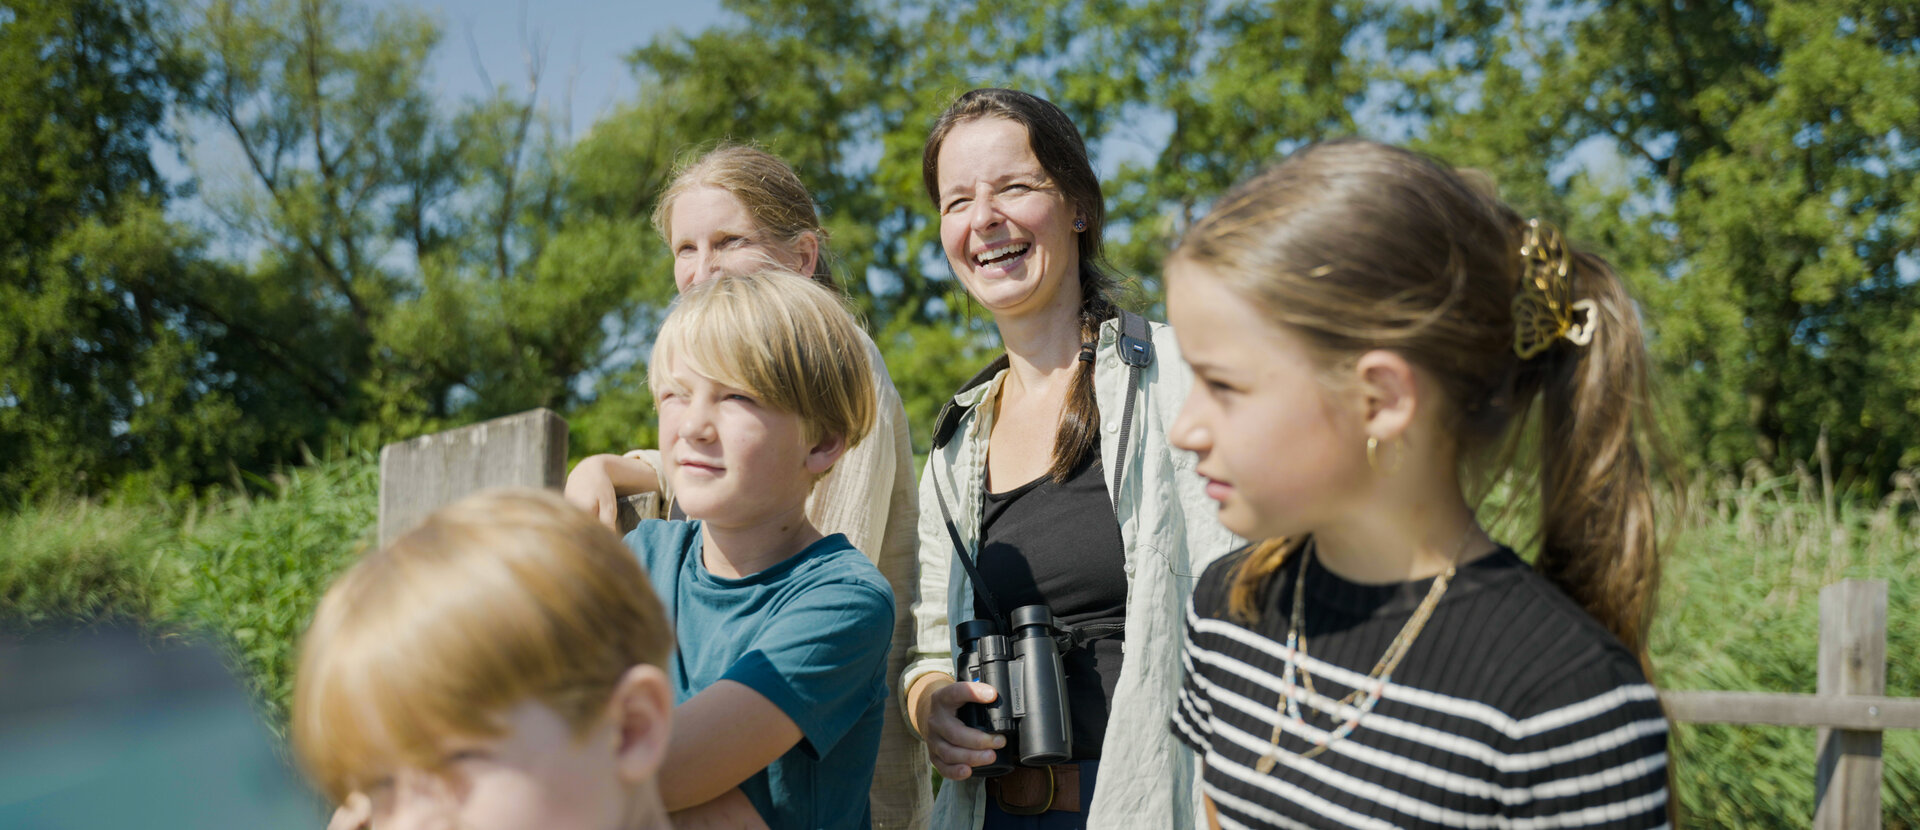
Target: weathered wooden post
{"x": 417, "y": 475}
{"x": 1853, "y": 661}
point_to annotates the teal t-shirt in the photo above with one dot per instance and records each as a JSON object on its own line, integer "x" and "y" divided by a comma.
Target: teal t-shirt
{"x": 811, "y": 635}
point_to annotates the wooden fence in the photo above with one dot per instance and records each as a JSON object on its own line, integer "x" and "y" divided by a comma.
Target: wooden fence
{"x": 1850, "y": 709}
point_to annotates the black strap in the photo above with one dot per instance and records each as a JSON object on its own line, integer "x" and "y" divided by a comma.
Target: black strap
{"x": 1136, "y": 350}
{"x": 949, "y": 420}
{"x": 960, "y": 550}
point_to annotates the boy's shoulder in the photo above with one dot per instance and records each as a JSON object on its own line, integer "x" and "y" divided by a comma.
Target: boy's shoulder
{"x": 834, "y": 559}
{"x": 659, "y": 541}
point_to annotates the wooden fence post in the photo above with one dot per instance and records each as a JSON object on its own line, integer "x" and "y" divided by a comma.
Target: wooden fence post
{"x": 524, "y": 450}
{"x": 1853, "y": 661}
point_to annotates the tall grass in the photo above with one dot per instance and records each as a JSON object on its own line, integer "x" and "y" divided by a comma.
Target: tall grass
{"x": 244, "y": 573}
{"x": 1740, "y": 611}
{"x": 1739, "y": 605}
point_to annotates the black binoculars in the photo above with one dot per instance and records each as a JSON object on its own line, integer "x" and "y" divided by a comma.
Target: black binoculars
{"x": 1030, "y": 706}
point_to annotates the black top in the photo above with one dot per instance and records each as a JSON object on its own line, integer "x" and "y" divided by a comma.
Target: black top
{"x": 1058, "y": 545}
{"x": 1512, "y": 702}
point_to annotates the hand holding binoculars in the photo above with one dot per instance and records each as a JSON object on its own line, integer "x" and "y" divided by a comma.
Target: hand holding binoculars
{"x": 1030, "y": 703}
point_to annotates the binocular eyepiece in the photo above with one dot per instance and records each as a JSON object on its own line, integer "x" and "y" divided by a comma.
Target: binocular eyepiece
{"x": 1030, "y": 706}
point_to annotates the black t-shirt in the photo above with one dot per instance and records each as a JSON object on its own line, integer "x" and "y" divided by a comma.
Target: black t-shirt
{"x": 1058, "y": 545}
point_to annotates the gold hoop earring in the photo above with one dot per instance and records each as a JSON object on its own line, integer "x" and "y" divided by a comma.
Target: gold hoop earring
{"x": 1373, "y": 457}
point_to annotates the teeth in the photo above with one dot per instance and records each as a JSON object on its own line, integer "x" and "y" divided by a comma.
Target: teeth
{"x": 1007, "y": 251}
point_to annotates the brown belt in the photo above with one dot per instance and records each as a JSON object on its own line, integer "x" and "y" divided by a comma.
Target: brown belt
{"x": 1030, "y": 791}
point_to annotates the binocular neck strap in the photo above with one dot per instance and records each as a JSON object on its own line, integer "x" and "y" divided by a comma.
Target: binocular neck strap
{"x": 960, "y": 550}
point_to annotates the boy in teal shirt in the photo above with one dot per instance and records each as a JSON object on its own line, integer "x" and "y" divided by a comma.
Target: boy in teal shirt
{"x": 780, "y": 674}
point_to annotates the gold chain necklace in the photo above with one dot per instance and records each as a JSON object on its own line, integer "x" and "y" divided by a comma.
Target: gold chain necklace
{"x": 1288, "y": 706}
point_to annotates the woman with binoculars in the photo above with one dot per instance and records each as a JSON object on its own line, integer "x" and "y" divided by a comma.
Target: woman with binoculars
{"x": 1057, "y": 527}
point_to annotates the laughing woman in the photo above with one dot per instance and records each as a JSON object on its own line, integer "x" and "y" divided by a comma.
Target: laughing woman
{"x": 1051, "y": 477}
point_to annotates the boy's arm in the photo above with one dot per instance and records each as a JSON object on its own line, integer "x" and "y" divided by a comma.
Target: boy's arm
{"x": 722, "y": 736}
{"x": 731, "y": 811}
{"x": 804, "y": 682}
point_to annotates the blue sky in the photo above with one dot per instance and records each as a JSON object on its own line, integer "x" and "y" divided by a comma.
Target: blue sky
{"x": 583, "y": 75}
{"x": 585, "y": 43}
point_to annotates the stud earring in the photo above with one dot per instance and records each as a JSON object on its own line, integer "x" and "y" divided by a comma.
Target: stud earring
{"x": 1079, "y": 225}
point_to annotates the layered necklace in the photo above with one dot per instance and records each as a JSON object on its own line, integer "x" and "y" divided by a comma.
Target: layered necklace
{"x": 1364, "y": 697}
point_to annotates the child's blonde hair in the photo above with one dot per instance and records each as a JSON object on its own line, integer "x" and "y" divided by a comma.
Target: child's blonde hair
{"x": 502, "y": 597}
{"x": 779, "y": 336}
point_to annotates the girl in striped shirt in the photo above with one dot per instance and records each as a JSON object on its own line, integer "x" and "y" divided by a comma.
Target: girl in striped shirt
{"x": 1369, "y": 331}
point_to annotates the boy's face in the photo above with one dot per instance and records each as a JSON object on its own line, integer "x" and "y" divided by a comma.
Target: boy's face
{"x": 733, "y": 460}
{"x": 534, "y": 775}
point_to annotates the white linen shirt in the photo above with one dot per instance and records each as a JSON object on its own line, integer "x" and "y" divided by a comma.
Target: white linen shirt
{"x": 1170, "y": 532}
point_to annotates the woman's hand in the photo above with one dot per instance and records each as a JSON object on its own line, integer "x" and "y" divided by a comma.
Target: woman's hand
{"x": 590, "y": 488}
{"x": 954, "y": 747}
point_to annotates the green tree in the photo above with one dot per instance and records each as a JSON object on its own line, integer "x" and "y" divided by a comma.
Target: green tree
{"x": 107, "y": 370}
{"x": 1763, "y": 204}
{"x": 410, "y": 252}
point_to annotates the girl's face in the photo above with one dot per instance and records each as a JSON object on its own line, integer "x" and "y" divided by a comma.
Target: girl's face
{"x": 1281, "y": 453}
{"x": 1007, "y": 230}
{"x": 711, "y": 233}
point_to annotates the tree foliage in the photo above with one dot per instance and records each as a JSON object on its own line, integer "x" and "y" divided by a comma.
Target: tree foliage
{"x": 405, "y": 262}
{"x": 104, "y": 372}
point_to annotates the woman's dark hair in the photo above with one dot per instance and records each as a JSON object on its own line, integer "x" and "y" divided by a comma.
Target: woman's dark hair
{"x": 1057, "y": 144}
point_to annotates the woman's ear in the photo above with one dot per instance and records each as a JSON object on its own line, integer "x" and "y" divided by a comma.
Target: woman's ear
{"x": 1391, "y": 392}
{"x": 825, "y": 452}
{"x": 642, "y": 708}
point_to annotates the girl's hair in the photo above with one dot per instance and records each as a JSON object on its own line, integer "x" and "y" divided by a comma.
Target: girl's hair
{"x": 765, "y": 185}
{"x": 1057, "y": 144}
{"x": 1356, "y": 246}
{"x": 500, "y": 598}
{"x": 789, "y": 342}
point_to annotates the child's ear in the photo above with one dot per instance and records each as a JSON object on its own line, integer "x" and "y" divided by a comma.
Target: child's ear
{"x": 825, "y": 452}
{"x": 1391, "y": 393}
{"x": 807, "y": 249}
{"x": 642, "y": 708}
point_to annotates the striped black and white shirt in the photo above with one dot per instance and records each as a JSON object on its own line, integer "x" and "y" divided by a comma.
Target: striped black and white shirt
{"x": 1514, "y": 708}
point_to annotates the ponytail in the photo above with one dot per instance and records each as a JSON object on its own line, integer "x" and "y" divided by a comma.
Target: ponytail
{"x": 1597, "y": 538}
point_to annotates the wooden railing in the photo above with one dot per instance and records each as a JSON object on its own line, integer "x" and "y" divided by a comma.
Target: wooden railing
{"x": 1849, "y": 709}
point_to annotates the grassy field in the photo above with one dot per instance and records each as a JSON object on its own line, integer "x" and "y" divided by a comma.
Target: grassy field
{"x": 1739, "y": 605}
